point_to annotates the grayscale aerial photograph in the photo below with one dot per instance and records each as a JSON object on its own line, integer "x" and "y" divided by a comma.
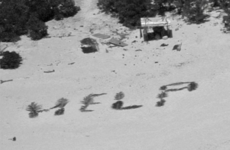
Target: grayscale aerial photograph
{"x": 115, "y": 74}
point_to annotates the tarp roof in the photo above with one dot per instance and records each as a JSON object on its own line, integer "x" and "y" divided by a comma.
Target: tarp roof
{"x": 153, "y": 22}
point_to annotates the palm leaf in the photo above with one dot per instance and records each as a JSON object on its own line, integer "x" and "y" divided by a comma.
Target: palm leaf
{"x": 119, "y": 96}
{"x": 59, "y": 112}
{"x": 34, "y": 109}
{"x": 192, "y": 86}
{"x": 60, "y": 103}
{"x": 87, "y": 100}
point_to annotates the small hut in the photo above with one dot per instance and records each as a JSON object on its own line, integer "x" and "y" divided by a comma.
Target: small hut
{"x": 155, "y": 28}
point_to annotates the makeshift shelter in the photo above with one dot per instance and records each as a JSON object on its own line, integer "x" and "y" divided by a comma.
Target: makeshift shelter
{"x": 155, "y": 28}
{"x": 89, "y": 45}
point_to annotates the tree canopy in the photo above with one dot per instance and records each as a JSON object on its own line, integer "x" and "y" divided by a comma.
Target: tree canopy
{"x": 16, "y": 16}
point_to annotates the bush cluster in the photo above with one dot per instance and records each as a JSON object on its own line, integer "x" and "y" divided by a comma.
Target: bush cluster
{"x": 225, "y": 5}
{"x": 18, "y": 17}
{"x": 129, "y": 12}
{"x": 10, "y": 60}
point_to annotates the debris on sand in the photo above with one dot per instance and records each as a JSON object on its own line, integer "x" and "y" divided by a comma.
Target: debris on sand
{"x": 162, "y": 45}
{"x": 117, "y": 42}
{"x": 177, "y": 47}
{"x": 49, "y": 71}
{"x": 59, "y": 112}
{"x": 89, "y": 45}
{"x": 132, "y": 107}
{"x": 101, "y": 36}
{"x": 13, "y": 139}
{"x": 3, "y": 81}
{"x": 160, "y": 103}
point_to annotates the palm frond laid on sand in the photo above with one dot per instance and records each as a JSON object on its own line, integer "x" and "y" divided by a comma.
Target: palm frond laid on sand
{"x": 83, "y": 109}
{"x": 34, "y": 109}
{"x": 60, "y": 103}
{"x": 162, "y": 95}
{"x": 59, "y": 111}
{"x": 89, "y": 100}
{"x": 119, "y": 96}
{"x": 160, "y": 103}
{"x": 94, "y": 95}
{"x": 132, "y": 107}
{"x": 192, "y": 86}
{"x": 174, "y": 90}
{"x": 86, "y": 102}
{"x": 117, "y": 105}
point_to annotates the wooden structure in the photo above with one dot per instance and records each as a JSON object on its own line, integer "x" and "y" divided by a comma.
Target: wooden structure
{"x": 155, "y": 28}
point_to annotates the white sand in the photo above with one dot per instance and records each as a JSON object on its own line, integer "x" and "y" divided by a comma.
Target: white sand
{"x": 197, "y": 120}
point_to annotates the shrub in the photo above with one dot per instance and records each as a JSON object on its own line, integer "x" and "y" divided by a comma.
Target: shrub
{"x": 34, "y": 109}
{"x": 119, "y": 96}
{"x": 41, "y": 8}
{"x": 64, "y": 8}
{"x": 9, "y": 37}
{"x": 10, "y": 60}
{"x": 15, "y": 14}
{"x": 36, "y": 28}
{"x": 194, "y": 10}
{"x": 129, "y": 12}
{"x": 225, "y": 5}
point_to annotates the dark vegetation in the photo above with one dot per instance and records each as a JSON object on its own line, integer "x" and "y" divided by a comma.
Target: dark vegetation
{"x": 10, "y": 60}
{"x": 129, "y": 12}
{"x": 61, "y": 103}
{"x": 165, "y": 89}
{"x": 89, "y": 100}
{"x": 192, "y": 86}
{"x": 34, "y": 109}
{"x": 160, "y": 103}
{"x": 117, "y": 105}
{"x": 132, "y": 107}
{"x": 19, "y": 17}
{"x": 59, "y": 112}
{"x": 119, "y": 96}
